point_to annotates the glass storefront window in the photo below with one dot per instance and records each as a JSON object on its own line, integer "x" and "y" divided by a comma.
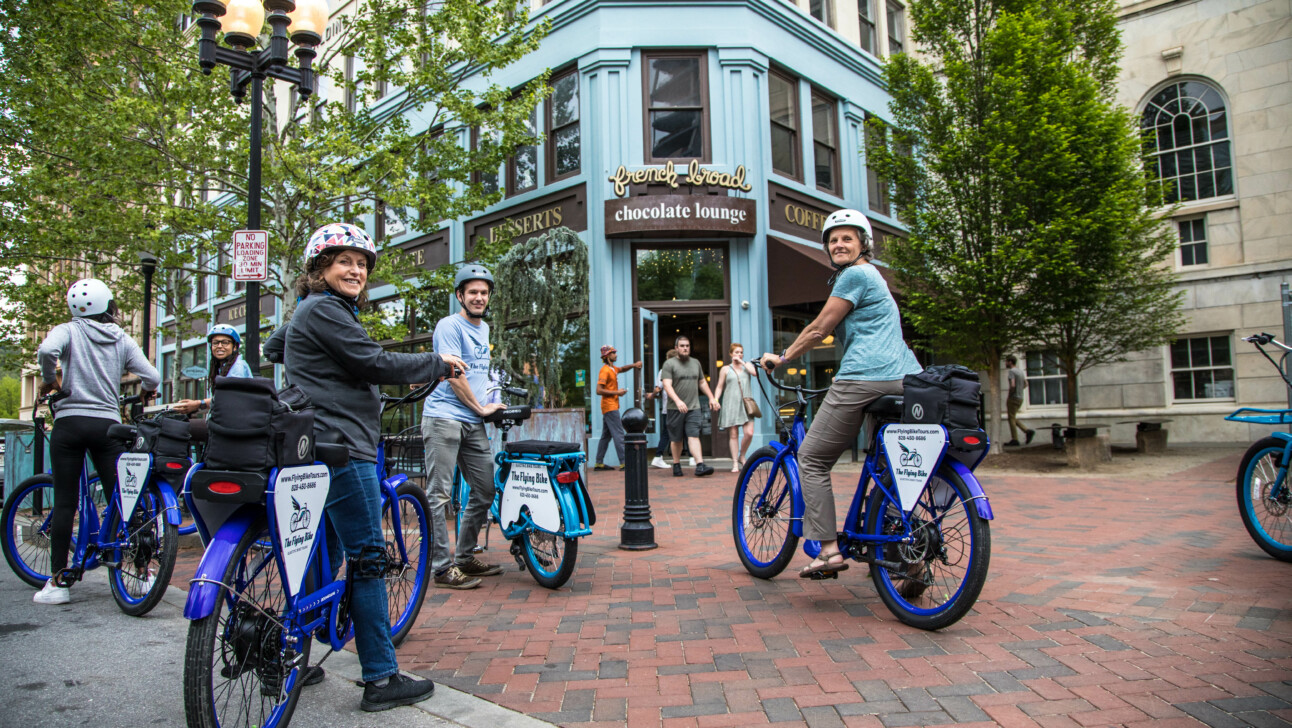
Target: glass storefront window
{"x": 814, "y": 369}
{"x": 680, "y": 274}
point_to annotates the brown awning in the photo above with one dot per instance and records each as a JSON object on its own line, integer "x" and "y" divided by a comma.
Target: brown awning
{"x": 798, "y": 273}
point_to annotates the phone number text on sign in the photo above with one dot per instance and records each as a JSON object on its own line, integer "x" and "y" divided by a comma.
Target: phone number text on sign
{"x": 251, "y": 255}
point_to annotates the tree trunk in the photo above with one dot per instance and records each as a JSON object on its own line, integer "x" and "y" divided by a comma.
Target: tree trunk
{"x": 993, "y": 424}
{"x": 1070, "y": 381}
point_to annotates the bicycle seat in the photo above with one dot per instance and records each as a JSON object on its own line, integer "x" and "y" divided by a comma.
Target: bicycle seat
{"x": 125, "y": 433}
{"x": 541, "y": 447}
{"x": 887, "y": 407}
{"x": 331, "y": 455}
{"x": 519, "y": 413}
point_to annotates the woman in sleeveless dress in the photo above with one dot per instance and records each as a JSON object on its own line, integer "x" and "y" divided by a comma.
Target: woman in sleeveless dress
{"x": 733, "y": 387}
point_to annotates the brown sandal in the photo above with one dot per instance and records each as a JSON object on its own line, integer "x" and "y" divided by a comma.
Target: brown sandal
{"x": 826, "y": 568}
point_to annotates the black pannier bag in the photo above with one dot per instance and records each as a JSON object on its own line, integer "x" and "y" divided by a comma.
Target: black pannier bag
{"x": 167, "y": 438}
{"x": 254, "y": 427}
{"x": 942, "y": 395}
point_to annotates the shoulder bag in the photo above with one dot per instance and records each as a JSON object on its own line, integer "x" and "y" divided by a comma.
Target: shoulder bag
{"x": 751, "y": 404}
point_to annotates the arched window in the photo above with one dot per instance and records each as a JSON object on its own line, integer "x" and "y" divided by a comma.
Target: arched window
{"x": 1191, "y": 132}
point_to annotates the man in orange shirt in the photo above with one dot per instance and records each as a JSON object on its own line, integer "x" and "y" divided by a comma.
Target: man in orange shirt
{"x": 612, "y": 427}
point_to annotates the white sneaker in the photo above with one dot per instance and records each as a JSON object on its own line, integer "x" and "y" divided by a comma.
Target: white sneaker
{"x": 148, "y": 582}
{"x": 658, "y": 462}
{"x": 693, "y": 462}
{"x": 51, "y": 594}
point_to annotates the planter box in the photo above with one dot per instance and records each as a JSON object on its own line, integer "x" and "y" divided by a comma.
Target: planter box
{"x": 560, "y": 424}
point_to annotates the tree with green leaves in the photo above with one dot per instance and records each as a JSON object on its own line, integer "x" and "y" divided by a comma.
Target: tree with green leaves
{"x": 114, "y": 143}
{"x": 1019, "y": 176}
{"x": 540, "y": 306}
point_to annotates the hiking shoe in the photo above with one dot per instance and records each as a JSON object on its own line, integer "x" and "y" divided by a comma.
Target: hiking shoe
{"x": 1012, "y": 443}
{"x": 599, "y": 466}
{"x": 453, "y": 578}
{"x": 398, "y": 691}
{"x": 475, "y": 567}
{"x": 702, "y": 470}
{"x": 1030, "y": 435}
{"x": 677, "y": 470}
{"x": 658, "y": 462}
{"x": 50, "y": 594}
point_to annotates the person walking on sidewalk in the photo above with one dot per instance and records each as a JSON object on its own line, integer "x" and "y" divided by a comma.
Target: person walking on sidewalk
{"x": 454, "y": 434}
{"x": 662, "y": 445}
{"x": 683, "y": 379}
{"x": 1014, "y": 402}
{"x": 93, "y": 352}
{"x": 612, "y": 427}
{"x": 733, "y": 383}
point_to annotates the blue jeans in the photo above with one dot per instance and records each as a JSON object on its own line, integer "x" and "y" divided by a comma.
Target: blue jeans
{"x": 354, "y": 513}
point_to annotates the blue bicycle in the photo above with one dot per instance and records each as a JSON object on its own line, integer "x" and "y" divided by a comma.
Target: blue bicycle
{"x": 138, "y": 550}
{"x": 540, "y": 500}
{"x": 919, "y": 517}
{"x": 1263, "y": 494}
{"x": 264, "y": 590}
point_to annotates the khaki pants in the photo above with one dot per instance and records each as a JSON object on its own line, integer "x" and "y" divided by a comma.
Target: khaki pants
{"x": 1012, "y": 406}
{"x": 834, "y": 429}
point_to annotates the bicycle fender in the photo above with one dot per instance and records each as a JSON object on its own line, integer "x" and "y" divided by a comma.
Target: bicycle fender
{"x": 796, "y": 492}
{"x": 204, "y": 587}
{"x": 394, "y": 481}
{"x": 170, "y": 501}
{"x": 976, "y": 493}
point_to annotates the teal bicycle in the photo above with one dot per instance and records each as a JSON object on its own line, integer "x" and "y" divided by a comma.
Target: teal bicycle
{"x": 1264, "y": 498}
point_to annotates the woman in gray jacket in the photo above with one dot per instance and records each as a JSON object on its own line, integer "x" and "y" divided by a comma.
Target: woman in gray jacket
{"x": 94, "y": 354}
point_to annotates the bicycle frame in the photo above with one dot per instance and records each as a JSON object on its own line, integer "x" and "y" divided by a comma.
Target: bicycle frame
{"x": 230, "y": 524}
{"x": 571, "y": 502}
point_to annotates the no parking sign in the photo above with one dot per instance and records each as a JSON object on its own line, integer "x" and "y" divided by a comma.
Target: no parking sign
{"x": 251, "y": 255}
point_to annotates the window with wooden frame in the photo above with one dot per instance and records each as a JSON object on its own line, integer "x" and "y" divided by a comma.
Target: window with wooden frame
{"x": 896, "y": 27}
{"x": 351, "y": 91}
{"x": 783, "y": 95}
{"x": 825, "y": 142}
{"x": 876, "y": 186}
{"x": 677, "y": 112}
{"x": 522, "y": 167}
{"x": 488, "y": 179}
{"x": 564, "y": 155}
{"x": 822, "y": 10}
{"x": 866, "y": 23}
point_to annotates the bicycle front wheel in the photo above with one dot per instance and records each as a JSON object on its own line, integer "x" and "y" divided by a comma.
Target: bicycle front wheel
{"x": 1263, "y": 501}
{"x": 26, "y": 520}
{"x": 935, "y": 580}
{"x": 240, "y": 671}
{"x": 760, "y": 516}
{"x": 406, "y": 577}
{"x": 148, "y": 557}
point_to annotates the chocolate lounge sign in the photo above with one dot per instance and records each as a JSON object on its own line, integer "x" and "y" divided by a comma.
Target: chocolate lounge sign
{"x": 683, "y": 215}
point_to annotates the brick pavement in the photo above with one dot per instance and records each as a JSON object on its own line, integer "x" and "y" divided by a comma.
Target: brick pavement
{"x": 1110, "y": 601}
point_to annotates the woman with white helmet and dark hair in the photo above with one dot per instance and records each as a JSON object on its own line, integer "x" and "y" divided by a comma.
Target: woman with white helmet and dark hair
{"x": 875, "y": 358}
{"x": 94, "y": 354}
{"x": 226, "y": 361}
{"x": 329, "y": 355}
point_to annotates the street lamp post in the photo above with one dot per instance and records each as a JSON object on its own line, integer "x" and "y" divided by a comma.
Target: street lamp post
{"x": 148, "y": 264}
{"x": 242, "y": 21}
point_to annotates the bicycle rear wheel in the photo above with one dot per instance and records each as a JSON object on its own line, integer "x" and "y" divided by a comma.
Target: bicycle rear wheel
{"x": 239, "y": 669}
{"x": 26, "y": 520}
{"x": 939, "y": 576}
{"x": 147, "y": 561}
{"x": 1263, "y": 502}
{"x": 550, "y": 557}
{"x": 760, "y": 516}
{"x": 406, "y": 577}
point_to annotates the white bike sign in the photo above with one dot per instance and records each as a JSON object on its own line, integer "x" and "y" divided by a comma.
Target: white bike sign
{"x": 299, "y": 497}
{"x": 528, "y": 485}
{"x": 913, "y": 452}
{"x": 132, "y": 473}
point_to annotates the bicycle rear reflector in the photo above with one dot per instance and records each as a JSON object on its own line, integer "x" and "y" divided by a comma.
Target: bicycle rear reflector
{"x": 225, "y": 487}
{"x": 570, "y": 476}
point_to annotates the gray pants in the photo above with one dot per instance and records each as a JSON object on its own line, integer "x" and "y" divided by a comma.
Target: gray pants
{"x": 449, "y": 443}
{"x": 834, "y": 429}
{"x": 612, "y": 428}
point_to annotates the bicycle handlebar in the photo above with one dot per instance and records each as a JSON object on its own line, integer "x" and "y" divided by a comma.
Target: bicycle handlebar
{"x": 417, "y": 395}
{"x": 800, "y": 389}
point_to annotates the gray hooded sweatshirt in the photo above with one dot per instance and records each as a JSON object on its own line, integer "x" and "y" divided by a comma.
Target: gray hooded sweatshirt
{"x": 94, "y": 357}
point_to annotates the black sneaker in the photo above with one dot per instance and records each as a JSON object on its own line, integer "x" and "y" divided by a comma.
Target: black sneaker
{"x": 1012, "y": 443}
{"x": 312, "y": 675}
{"x": 1030, "y": 434}
{"x": 677, "y": 470}
{"x": 399, "y": 691}
{"x": 702, "y": 470}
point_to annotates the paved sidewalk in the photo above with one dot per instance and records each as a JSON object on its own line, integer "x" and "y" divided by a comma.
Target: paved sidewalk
{"x": 1111, "y": 601}
{"x": 87, "y": 664}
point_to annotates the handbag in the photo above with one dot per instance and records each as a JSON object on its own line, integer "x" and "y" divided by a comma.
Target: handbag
{"x": 751, "y": 404}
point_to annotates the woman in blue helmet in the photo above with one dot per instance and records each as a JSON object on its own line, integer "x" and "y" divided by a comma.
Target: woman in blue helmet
{"x": 225, "y": 362}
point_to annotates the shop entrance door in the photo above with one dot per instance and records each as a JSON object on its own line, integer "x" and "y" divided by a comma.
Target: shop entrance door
{"x": 708, "y": 333}
{"x": 649, "y": 355}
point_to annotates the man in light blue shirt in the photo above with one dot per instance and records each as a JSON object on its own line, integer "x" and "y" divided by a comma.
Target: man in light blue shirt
{"x": 454, "y": 434}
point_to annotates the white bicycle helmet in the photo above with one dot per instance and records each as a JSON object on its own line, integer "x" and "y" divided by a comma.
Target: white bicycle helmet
{"x": 89, "y": 297}
{"x": 847, "y": 218}
{"x": 337, "y": 235}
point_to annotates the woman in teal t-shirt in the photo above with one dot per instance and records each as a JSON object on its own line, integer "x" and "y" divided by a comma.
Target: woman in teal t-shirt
{"x": 875, "y": 358}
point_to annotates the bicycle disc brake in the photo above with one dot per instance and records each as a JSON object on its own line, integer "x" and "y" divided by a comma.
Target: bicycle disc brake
{"x": 1276, "y": 501}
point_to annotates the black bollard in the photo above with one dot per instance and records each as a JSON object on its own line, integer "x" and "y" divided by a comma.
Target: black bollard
{"x": 637, "y": 533}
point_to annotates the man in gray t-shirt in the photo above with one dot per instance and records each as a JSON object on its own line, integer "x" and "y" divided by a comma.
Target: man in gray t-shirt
{"x": 683, "y": 380}
{"x": 1014, "y": 402}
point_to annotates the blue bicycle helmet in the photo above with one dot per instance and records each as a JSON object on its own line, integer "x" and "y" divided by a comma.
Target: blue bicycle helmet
{"x": 224, "y": 330}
